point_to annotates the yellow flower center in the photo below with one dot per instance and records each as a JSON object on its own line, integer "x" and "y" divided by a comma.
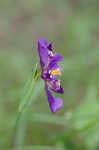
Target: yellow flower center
{"x": 55, "y": 72}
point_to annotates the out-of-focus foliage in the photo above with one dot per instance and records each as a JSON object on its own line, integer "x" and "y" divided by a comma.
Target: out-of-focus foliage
{"x": 73, "y": 26}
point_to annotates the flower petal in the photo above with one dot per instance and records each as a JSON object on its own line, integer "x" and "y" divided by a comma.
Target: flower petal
{"x": 54, "y": 61}
{"x": 45, "y": 75}
{"x": 57, "y": 58}
{"x": 43, "y": 51}
{"x": 50, "y": 47}
{"x": 60, "y": 90}
{"x": 55, "y": 103}
{"x": 58, "y": 103}
{"x": 55, "y": 86}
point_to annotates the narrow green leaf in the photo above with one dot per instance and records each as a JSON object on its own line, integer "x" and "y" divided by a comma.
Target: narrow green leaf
{"x": 28, "y": 89}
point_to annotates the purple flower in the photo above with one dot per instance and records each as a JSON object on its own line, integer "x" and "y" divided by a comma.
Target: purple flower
{"x": 50, "y": 70}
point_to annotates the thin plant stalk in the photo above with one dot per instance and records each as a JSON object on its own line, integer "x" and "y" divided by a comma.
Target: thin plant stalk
{"x": 21, "y": 109}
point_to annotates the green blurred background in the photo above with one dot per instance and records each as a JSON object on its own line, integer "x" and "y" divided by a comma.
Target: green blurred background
{"x": 73, "y": 26}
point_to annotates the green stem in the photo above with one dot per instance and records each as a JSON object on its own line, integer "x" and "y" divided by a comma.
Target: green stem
{"x": 15, "y": 127}
{"x": 29, "y": 91}
{"x": 22, "y": 107}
